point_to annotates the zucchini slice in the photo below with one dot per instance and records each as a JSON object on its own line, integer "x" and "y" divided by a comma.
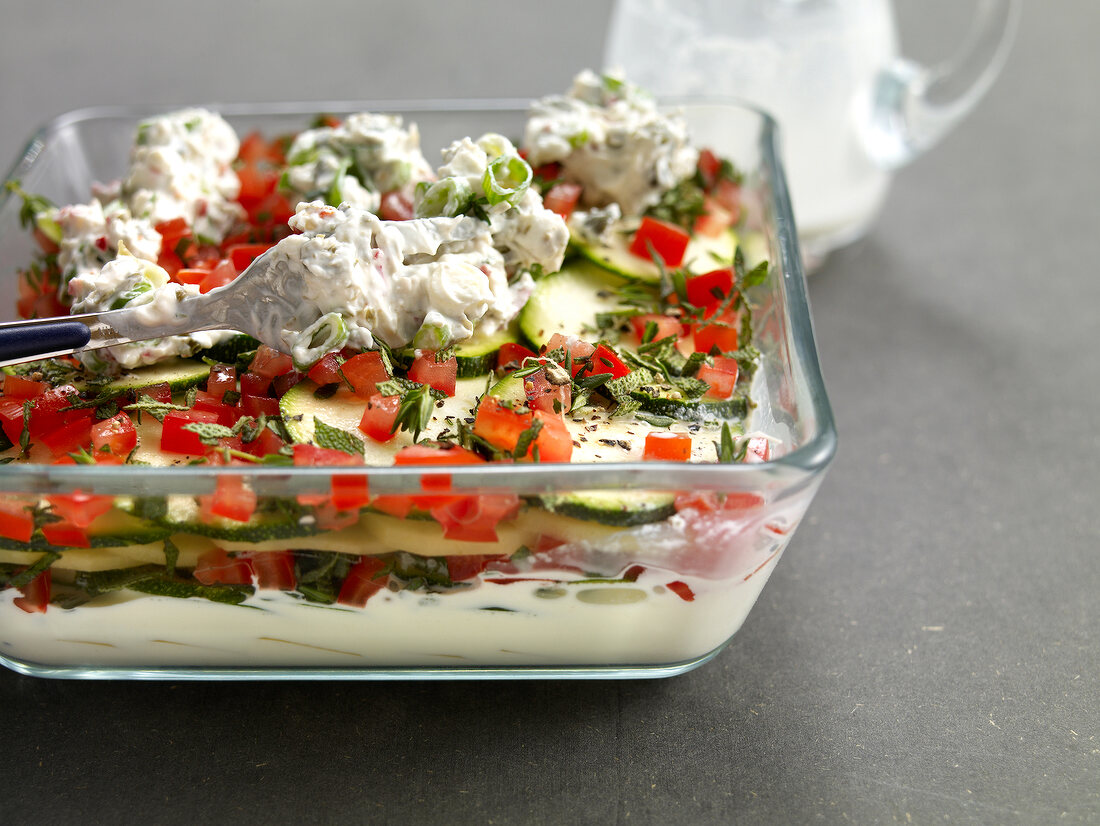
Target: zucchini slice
{"x": 704, "y": 253}
{"x": 568, "y": 302}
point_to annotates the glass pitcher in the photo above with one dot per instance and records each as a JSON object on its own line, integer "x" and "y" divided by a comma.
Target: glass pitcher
{"x": 850, "y": 109}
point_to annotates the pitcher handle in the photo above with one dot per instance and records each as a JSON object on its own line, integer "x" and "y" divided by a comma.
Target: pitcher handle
{"x": 913, "y": 106}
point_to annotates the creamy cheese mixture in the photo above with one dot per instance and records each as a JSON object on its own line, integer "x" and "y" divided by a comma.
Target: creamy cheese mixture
{"x": 356, "y": 162}
{"x": 610, "y": 137}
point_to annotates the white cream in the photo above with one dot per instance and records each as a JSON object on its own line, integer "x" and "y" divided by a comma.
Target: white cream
{"x": 543, "y": 624}
{"x": 356, "y": 162}
{"x": 90, "y": 237}
{"x": 610, "y": 137}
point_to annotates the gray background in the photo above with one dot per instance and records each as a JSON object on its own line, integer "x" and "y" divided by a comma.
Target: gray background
{"x": 926, "y": 651}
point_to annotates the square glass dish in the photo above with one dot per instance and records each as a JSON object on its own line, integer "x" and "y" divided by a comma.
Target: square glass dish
{"x": 555, "y": 595}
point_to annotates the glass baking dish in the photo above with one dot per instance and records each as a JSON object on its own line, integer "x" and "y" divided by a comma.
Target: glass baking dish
{"x": 588, "y": 600}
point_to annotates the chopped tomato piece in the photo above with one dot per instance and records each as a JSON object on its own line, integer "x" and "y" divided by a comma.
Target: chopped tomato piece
{"x": 161, "y": 392}
{"x": 554, "y": 442}
{"x": 241, "y": 255}
{"x": 475, "y": 518}
{"x": 715, "y": 219}
{"x": 669, "y": 446}
{"x": 222, "y": 378}
{"x": 191, "y": 275}
{"x": 326, "y": 371}
{"x": 448, "y": 454}
{"x": 16, "y": 521}
{"x": 709, "y": 165}
{"x": 728, "y": 194}
{"x": 253, "y": 384}
{"x": 221, "y": 275}
{"x": 606, "y": 360}
{"x": 759, "y": 450}
{"x": 713, "y": 335}
{"x": 442, "y": 375}
{"x": 722, "y": 383}
{"x": 71, "y": 437}
{"x": 350, "y": 492}
{"x": 36, "y": 594}
{"x": 364, "y": 580}
{"x": 379, "y": 417}
{"x": 502, "y": 427}
{"x": 217, "y": 567}
{"x": 665, "y": 326}
{"x": 467, "y": 566}
{"x": 396, "y": 206}
{"x": 173, "y": 437}
{"x": 364, "y": 372}
{"x": 562, "y": 198}
{"x": 578, "y": 349}
{"x": 227, "y": 414}
{"x": 542, "y": 394}
{"x": 232, "y": 499}
{"x": 11, "y": 418}
{"x": 256, "y": 406}
{"x": 17, "y": 387}
{"x": 512, "y": 354}
{"x": 709, "y": 289}
{"x": 66, "y": 535}
{"x": 172, "y": 232}
{"x": 283, "y": 383}
{"x": 681, "y": 589}
{"x": 667, "y": 241}
{"x": 270, "y": 363}
{"x": 78, "y": 508}
{"x": 273, "y": 570}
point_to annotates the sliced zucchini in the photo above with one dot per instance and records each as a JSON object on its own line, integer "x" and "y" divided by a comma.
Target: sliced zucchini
{"x": 477, "y": 356}
{"x": 182, "y": 516}
{"x": 621, "y": 509}
{"x": 123, "y": 556}
{"x": 179, "y": 374}
{"x": 568, "y": 302}
{"x": 704, "y": 253}
{"x": 697, "y": 410}
{"x": 344, "y": 410}
{"x": 228, "y": 351}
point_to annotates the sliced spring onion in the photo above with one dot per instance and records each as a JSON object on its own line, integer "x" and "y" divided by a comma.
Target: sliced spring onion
{"x": 324, "y": 335}
{"x": 506, "y": 179}
{"x": 448, "y": 198}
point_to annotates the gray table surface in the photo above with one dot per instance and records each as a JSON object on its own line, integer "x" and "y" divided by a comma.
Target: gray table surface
{"x": 926, "y": 651}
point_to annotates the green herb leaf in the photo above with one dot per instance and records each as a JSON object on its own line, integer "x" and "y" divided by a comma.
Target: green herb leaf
{"x": 526, "y": 439}
{"x": 333, "y": 438}
{"x": 209, "y": 432}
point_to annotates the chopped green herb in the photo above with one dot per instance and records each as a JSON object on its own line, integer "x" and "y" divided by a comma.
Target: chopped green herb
{"x": 333, "y": 438}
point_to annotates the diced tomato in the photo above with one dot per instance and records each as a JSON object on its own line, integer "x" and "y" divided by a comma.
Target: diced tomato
{"x": 78, "y": 508}
{"x": 71, "y": 437}
{"x": 715, "y": 219}
{"x": 728, "y": 194}
{"x": 364, "y": 371}
{"x": 606, "y": 360}
{"x": 396, "y": 206}
{"x": 232, "y": 499}
{"x": 512, "y": 354}
{"x": 265, "y": 443}
{"x": 742, "y": 501}
{"x": 273, "y": 570}
{"x": 709, "y": 165}
{"x": 241, "y": 255}
{"x": 36, "y": 594}
{"x": 562, "y": 198}
{"x": 379, "y": 417}
{"x": 722, "y": 383}
{"x": 45, "y": 243}
{"x": 172, "y": 232}
{"x": 475, "y": 518}
{"x": 174, "y": 439}
{"x": 364, "y": 580}
{"x": 579, "y": 349}
{"x": 350, "y": 492}
{"x": 502, "y": 427}
{"x": 709, "y": 289}
{"x": 448, "y": 454}
{"x": 283, "y": 383}
{"x": 11, "y": 418}
{"x": 206, "y": 403}
{"x": 331, "y": 518}
{"x": 221, "y": 275}
{"x": 255, "y": 149}
{"x": 467, "y": 566}
{"x": 668, "y": 446}
{"x": 544, "y": 395}
{"x": 441, "y": 375}
{"x": 16, "y": 521}
{"x": 217, "y": 567}
{"x": 253, "y": 384}
{"x": 66, "y": 535}
{"x": 306, "y": 455}
{"x": 191, "y": 275}
{"x": 668, "y": 241}
{"x": 665, "y": 325}
{"x": 161, "y": 392}
{"x": 256, "y": 406}
{"x": 681, "y": 589}
{"x": 759, "y": 450}
{"x": 270, "y": 363}
{"x": 223, "y": 378}
{"x": 545, "y": 172}
{"x": 394, "y": 505}
{"x": 326, "y": 371}
{"x": 714, "y": 335}
{"x": 17, "y": 387}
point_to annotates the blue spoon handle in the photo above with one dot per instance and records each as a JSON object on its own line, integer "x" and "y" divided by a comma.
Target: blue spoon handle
{"x": 41, "y": 339}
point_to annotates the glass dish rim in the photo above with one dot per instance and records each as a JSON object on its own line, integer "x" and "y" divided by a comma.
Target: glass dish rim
{"x": 809, "y": 460}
